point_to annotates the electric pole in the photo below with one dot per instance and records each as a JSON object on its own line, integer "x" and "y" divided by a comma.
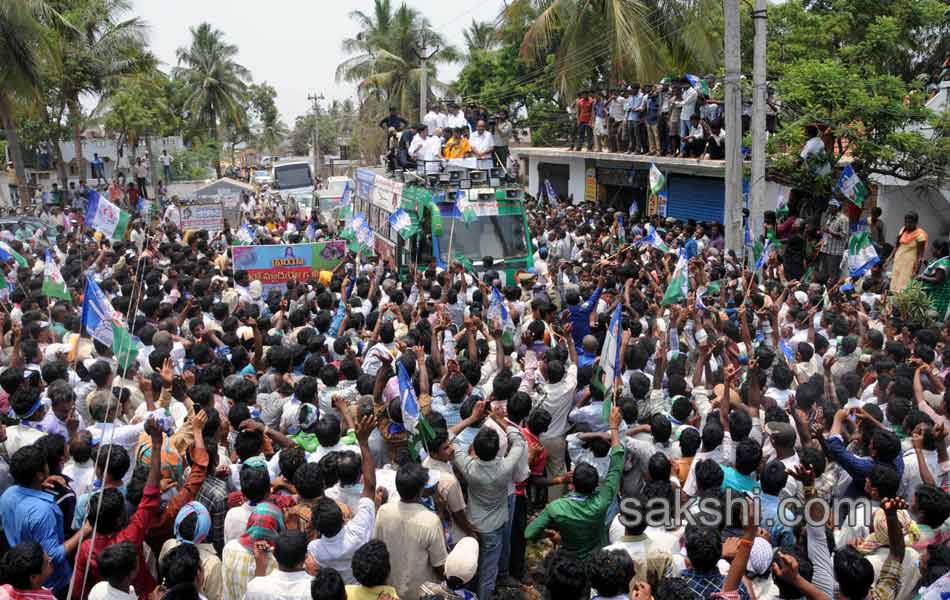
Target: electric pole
{"x": 759, "y": 83}
{"x": 733, "y": 209}
{"x": 424, "y": 77}
{"x": 315, "y": 98}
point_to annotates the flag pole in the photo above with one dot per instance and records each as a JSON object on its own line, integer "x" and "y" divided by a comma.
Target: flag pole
{"x": 449, "y": 252}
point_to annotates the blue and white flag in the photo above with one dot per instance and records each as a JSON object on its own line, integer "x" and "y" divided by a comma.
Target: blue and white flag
{"x": 497, "y": 309}
{"x": 407, "y": 399}
{"x": 401, "y": 221}
{"x": 861, "y": 255}
{"x": 747, "y": 240}
{"x": 357, "y": 222}
{"x": 634, "y": 208}
{"x": 364, "y": 235}
{"x": 346, "y": 197}
{"x": 610, "y": 360}
{"x": 621, "y": 230}
{"x": 245, "y": 235}
{"x": 549, "y": 190}
{"x": 311, "y": 230}
{"x": 652, "y": 238}
{"x": 765, "y": 254}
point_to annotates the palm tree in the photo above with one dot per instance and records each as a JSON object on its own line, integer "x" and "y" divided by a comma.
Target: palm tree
{"x": 480, "y": 35}
{"x": 387, "y": 62}
{"x": 92, "y": 46}
{"x": 637, "y": 39}
{"x": 20, "y": 48}
{"x": 216, "y": 83}
{"x": 271, "y": 135}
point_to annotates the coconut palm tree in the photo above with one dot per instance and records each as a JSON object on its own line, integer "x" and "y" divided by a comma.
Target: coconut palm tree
{"x": 93, "y": 44}
{"x": 20, "y": 49}
{"x": 480, "y": 35}
{"x": 216, "y": 84}
{"x": 636, "y": 39}
{"x": 387, "y": 61}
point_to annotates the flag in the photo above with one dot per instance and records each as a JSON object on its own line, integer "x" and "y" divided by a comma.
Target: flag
{"x": 781, "y": 206}
{"x": 105, "y": 217}
{"x": 497, "y": 309}
{"x": 657, "y": 181}
{"x": 357, "y": 222}
{"x": 861, "y": 255}
{"x": 402, "y": 223}
{"x": 764, "y": 254}
{"x": 610, "y": 364}
{"x": 346, "y": 197}
{"x": 464, "y": 209}
{"x": 245, "y": 235}
{"x": 3, "y": 281}
{"x": 53, "y": 284}
{"x": 365, "y": 236}
{"x": 851, "y": 187}
{"x": 747, "y": 240}
{"x": 699, "y": 84}
{"x": 412, "y": 420}
{"x": 549, "y": 191}
{"x": 311, "y": 230}
{"x": 652, "y": 238}
{"x": 142, "y": 206}
{"x": 621, "y": 231}
{"x": 8, "y": 253}
{"x": 634, "y": 208}
{"x": 464, "y": 261}
{"x": 679, "y": 284}
{"x": 102, "y": 324}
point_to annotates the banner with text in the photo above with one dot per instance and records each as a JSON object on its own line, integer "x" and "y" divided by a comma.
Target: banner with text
{"x": 275, "y": 265}
{"x": 206, "y": 216}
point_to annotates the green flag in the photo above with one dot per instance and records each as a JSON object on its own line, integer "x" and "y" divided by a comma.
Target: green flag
{"x": 679, "y": 284}
{"x": 464, "y": 261}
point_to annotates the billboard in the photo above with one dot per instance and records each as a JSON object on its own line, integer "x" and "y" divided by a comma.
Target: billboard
{"x": 202, "y": 215}
{"x": 276, "y": 264}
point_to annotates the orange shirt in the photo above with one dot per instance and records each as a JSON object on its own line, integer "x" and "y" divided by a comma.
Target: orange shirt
{"x": 457, "y": 148}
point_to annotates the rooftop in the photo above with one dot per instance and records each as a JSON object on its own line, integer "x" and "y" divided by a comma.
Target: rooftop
{"x": 690, "y": 166}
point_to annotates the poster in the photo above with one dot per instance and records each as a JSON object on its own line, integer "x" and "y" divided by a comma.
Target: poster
{"x": 364, "y": 183}
{"x": 204, "y": 215}
{"x": 590, "y": 185}
{"x": 276, "y": 264}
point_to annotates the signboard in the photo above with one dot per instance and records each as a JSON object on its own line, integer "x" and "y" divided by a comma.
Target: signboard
{"x": 384, "y": 194}
{"x": 204, "y": 216}
{"x": 365, "y": 180}
{"x": 276, "y": 264}
{"x": 590, "y": 185}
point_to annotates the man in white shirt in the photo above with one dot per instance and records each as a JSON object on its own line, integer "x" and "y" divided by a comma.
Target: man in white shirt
{"x": 339, "y": 540}
{"x": 425, "y": 148}
{"x": 431, "y": 120}
{"x": 812, "y": 149}
{"x": 443, "y": 117}
{"x": 289, "y": 581}
{"x": 173, "y": 213}
{"x": 482, "y": 142}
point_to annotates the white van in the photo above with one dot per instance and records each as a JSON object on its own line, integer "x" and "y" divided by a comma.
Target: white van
{"x": 292, "y": 178}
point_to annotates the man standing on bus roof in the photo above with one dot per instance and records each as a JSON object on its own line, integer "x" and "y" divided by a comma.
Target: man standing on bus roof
{"x": 425, "y": 148}
{"x": 393, "y": 120}
{"x": 482, "y": 142}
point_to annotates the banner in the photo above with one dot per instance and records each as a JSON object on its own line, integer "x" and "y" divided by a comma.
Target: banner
{"x": 276, "y": 264}
{"x": 364, "y": 183}
{"x": 206, "y": 216}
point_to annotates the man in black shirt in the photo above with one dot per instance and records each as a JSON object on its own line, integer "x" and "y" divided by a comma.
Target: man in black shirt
{"x": 393, "y": 120}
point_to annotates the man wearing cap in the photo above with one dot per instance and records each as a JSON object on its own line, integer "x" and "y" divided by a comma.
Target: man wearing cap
{"x": 835, "y": 227}
{"x": 460, "y": 568}
{"x": 26, "y": 405}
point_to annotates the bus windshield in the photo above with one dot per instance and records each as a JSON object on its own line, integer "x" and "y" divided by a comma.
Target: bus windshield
{"x": 500, "y": 236}
{"x": 292, "y": 176}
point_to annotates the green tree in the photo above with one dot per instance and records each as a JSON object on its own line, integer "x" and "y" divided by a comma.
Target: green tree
{"x": 644, "y": 39}
{"x": 214, "y": 83}
{"x": 20, "y": 49}
{"x": 386, "y": 61}
{"x": 141, "y": 107}
{"x": 480, "y": 35}
{"x": 856, "y": 68}
{"x": 92, "y": 45}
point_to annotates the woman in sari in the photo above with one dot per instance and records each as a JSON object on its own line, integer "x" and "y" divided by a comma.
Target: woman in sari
{"x": 908, "y": 253}
{"x": 936, "y": 279}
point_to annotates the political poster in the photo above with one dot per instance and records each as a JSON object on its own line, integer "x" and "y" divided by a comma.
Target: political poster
{"x": 202, "y": 216}
{"x": 276, "y": 264}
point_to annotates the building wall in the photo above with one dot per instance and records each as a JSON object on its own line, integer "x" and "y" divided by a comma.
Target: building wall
{"x": 931, "y": 205}
{"x": 575, "y": 179}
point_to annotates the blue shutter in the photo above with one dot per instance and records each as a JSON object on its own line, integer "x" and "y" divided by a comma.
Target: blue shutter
{"x": 699, "y": 198}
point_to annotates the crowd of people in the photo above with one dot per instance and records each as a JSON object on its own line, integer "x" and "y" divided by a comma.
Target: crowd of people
{"x": 677, "y": 118}
{"x": 371, "y": 435}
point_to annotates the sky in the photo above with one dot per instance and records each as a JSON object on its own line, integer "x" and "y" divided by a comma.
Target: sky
{"x": 294, "y": 45}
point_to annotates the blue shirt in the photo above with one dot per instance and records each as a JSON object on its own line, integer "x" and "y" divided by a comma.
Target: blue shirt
{"x": 633, "y": 104}
{"x": 858, "y": 467}
{"x": 692, "y": 248}
{"x": 780, "y": 533}
{"x": 580, "y": 317}
{"x": 737, "y": 481}
{"x": 32, "y": 515}
{"x": 652, "y": 112}
{"x": 704, "y": 584}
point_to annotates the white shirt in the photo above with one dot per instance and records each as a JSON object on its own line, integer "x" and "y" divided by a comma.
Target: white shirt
{"x": 427, "y": 148}
{"x": 688, "y": 103}
{"x": 337, "y": 552}
{"x": 235, "y": 521}
{"x": 813, "y": 147}
{"x": 458, "y": 120}
{"x": 81, "y": 475}
{"x": 481, "y": 142}
{"x": 431, "y": 120}
{"x": 166, "y": 160}
{"x": 279, "y": 585}
{"x": 104, "y": 591}
{"x": 173, "y": 215}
